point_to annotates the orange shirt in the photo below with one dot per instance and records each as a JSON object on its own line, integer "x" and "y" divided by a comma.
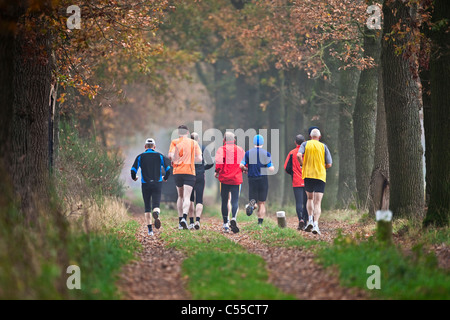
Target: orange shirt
{"x": 184, "y": 151}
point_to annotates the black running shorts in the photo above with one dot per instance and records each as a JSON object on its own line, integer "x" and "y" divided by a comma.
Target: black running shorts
{"x": 314, "y": 185}
{"x": 184, "y": 179}
{"x": 258, "y": 188}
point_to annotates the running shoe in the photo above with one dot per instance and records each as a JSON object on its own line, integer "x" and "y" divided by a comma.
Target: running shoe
{"x": 301, "y": 225}
{"x": 250, "y": 207}
{"x": 150, "y": 233}
{"x": 234, "y": 226}
{"x": 184, "y": 224}
{"x": 309, "y": 227}
{"x": 225, "y": 228}
{"x": 157, "y": 221}
{"x": 197, "y": 225}
{"x": 191, "y": 226}
{"x": 316, "y": 230}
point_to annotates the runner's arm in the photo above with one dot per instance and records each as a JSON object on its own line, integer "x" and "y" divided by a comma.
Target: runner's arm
{"x": 270, "y": 165}
{"x": 301, "y": 152}
{"x": 209, "y": 162}
{"x": 135, "y": 167}
{"x": 167, "y": 169}
{"x": 219, "y": 160}
{"x": 328, "y": 159}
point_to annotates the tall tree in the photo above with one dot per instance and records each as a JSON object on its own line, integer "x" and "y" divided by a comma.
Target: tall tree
{"x": 379, "y": 182}
{"x": 364, "y": 116}
{"x": 33, "y": 80}
{"x": 348, "y": 83}
{"x": 401, "y": 96}
{"x": 439, "y": 205}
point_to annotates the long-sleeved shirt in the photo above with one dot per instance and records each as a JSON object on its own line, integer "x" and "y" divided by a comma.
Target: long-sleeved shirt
{"x": 206, "y": 164}
{"x": 228, "y": 158}
{"x": 151, "y": 163}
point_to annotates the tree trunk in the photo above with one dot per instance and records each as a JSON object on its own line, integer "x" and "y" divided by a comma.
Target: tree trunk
{"x": 33, "y": 70}
{"x": 364, "y": 118}
{"x": 347, "y": 93}
{"x": 401, "y": 93}
{"x": 439, "y": 206}
{"x": 428, "y": 128}
{"x": 379, "y": 182}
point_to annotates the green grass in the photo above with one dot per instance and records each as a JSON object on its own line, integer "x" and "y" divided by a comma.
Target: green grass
{"x": 412, "y": 276}
{"x": 219, "y": 269}
{"x": 100, "y": 257}
{"x": 270, "y": 234}
{"x": 34, "y": 259}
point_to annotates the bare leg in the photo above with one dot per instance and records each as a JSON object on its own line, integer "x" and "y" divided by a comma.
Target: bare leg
{"x": 261, "y": 209}
{"x": 191, "y": 210}
{"x": 186, "y": 199}
{"x": 198, "y": 210}
{"x": 180, "y": 191}
{"x": 148, "y": 218}
{"x": 310, "y": 205}
{"x": 317, "y": 205}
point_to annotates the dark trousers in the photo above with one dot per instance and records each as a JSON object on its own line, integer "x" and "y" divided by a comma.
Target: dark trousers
{"x": 300, "y": 203}
{"x": 224, "y": 191}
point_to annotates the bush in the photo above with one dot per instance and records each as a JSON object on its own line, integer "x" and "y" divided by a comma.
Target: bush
{"x": 85, "y": 169}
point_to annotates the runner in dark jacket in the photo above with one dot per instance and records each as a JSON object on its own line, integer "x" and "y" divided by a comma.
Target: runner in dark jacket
{"x": 151, "y": 164}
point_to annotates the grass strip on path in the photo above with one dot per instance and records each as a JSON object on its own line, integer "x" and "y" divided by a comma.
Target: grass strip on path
{"x": 220, "y": 269}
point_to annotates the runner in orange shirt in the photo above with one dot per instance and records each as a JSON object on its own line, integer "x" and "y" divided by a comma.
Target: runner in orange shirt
{"x": 183, "y": 153}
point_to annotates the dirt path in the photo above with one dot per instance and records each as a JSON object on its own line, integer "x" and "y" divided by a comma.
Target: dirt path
{"x": 294, "y": 271}
{"x": 156, "y": 275}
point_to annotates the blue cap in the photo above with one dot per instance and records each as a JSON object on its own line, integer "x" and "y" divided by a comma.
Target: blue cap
{"x": 311, "y": 129}
{"x": 258, "y": 140}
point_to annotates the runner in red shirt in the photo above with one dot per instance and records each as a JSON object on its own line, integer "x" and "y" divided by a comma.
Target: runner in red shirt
{"x": 292, "y": 167}
{"x": 228, "y": 158}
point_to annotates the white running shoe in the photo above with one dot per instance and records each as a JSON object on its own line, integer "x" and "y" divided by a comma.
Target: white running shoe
{"x": 150, "y": 233}
{"x": 226, "y": 228}
{"x": 197, "y": 225}
{"x": 191, "y": 226}
{"x": 184, "y": 224}
{"x": 316, "y": 230}
{"x": 309, "y": 224}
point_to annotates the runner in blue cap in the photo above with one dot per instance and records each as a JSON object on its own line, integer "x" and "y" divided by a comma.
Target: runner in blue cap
{"x": 257, "y": 163}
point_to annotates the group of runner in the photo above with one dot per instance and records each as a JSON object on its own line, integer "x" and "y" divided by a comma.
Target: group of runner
{"x": 187, "y": 161}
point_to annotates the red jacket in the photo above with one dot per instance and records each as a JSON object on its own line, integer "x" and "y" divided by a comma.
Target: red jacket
{"x": 228, "y": 158}
{"x": 297, "y": 180}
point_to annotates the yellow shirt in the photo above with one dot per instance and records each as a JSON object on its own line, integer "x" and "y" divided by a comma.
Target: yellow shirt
{"x": 314, "y": 161}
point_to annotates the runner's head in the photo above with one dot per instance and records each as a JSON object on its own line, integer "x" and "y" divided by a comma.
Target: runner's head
{"x": 194, "y": 136}
{"x": 258, "y": 140}
{"x": 183, "y": 130}
{"x": 315, "y": 134}
{"x": 150, "y": 144}
{"x": 311, "y": 129}
{"x": 229, "y": 136}
{"x": 299, "y": 139}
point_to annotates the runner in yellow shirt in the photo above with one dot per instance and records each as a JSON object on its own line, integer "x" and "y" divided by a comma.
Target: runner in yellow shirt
{"x": 315, "y": 158}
